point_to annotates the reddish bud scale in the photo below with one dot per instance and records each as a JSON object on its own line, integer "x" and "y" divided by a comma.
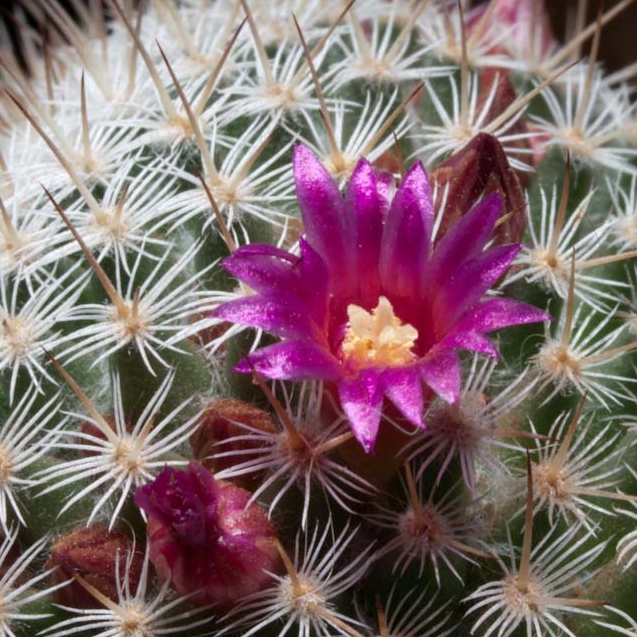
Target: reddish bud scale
{"x": 209, "y": 334}
{"x": 10, "y": 558}
{"x": 221, "y": 421}
{"x": 99, "y": 556}
{"x": 388, "y": 162}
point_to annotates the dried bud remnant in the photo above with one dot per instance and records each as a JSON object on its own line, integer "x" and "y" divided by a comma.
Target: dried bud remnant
{"x": 95, "y": 554}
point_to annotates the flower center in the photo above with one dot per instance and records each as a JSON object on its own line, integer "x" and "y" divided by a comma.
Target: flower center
{"x": 378, "y": 337}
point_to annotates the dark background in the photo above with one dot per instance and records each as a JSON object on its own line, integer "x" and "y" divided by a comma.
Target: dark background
{"x": 618, "y": 43}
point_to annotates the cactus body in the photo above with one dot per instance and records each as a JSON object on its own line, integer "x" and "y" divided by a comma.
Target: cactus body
{"x": 374, "y": 264}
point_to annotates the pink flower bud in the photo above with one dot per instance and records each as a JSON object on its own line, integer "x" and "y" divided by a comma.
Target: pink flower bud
{"x": 93, "y": 553}
{"x": 205, "y": 538}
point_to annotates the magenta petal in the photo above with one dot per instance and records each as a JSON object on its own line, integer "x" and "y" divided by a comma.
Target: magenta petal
{"x": 366, "y": 206}
{"x": 403, "y": 386}
{"x": 278, "y": 313}
{"x": 269, "y": 270}
{"x": 386, "y": 188}
{"x": 482, "y": 272}
{"x": 264, "y": 268}
{"x": 362, "y": 401}
{"x": 262, "y": 249}
{"x": 462, "y": 288}
{"x": 315, "y": 281}
{"x": 322, "y": 210}
{"x": 497, "y": 313}
{"x": 406, "y": 239}
{"x": 441, "y": 371}
{"x": 466, "y": 239}
{"x": 473, "y": 341}
{"x": 292, "y": 360}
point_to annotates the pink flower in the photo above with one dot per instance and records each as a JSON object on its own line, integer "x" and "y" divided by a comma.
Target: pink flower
{"x": 521, "y": 28}
{"x": 371, "y": 304}
{"x": 205, "y": 538}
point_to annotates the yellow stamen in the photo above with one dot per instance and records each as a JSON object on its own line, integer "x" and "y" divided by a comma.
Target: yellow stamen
{"x": 378, "y": 338}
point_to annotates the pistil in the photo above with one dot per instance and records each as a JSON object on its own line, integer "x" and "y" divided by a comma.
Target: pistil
{"x": 378, "y": 337}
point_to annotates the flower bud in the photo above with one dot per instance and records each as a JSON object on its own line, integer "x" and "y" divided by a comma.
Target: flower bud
{"x": 497, "y": 94}
{"x": 222, "y": 421}
{"x": 93, "y": 553}
{"x": 205, "y": 538}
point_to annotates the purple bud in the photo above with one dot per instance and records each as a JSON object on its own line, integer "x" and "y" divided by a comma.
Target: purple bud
{"x": 205, "y": 538}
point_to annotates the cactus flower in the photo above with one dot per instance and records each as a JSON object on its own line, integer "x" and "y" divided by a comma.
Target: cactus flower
{"x": 529, "y": 37}
{"x": 372, "y": 304}
{"x": 206, "y": 538}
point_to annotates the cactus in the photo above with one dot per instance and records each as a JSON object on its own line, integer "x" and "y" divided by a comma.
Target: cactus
{"x": 317, "y": 318}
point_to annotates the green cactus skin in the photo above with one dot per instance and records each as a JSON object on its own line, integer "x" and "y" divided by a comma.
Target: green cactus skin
{"x": 139, "y": 147}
